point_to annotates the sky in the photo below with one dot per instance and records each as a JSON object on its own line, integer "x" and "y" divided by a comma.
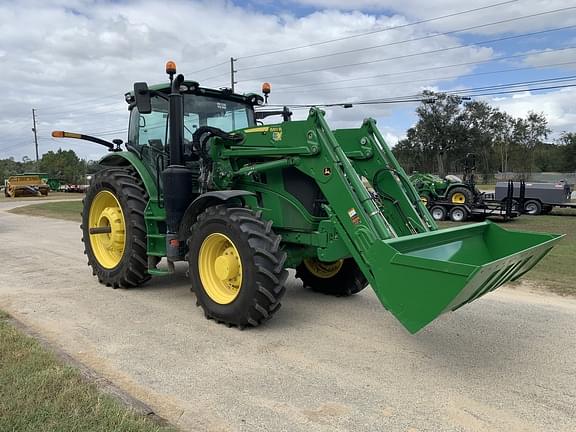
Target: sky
{"x": 73, "y": 60}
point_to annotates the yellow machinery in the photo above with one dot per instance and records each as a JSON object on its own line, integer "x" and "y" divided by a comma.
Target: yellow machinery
{"x": 25, "y": 186}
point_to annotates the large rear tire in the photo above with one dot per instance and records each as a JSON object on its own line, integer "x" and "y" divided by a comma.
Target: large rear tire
{"x": 340, "y": 278}
{"x": 236, "y": 266}
{"x": 115, "y": 201}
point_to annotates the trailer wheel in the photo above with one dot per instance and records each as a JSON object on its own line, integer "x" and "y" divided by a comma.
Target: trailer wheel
{"x": 458, "y": 214}
{"x": 438, "y": 213}
{"x": 532, "y": 207}
{"x": 236, "y": 266}
{"x": 460, "y": 195}
{"x": 340, "y": 278}
{"x": 114, "y": 204}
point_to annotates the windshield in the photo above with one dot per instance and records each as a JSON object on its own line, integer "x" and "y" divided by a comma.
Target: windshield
{"x": 151, "y": 129}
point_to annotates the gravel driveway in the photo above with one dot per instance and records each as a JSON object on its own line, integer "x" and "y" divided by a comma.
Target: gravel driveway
{"x": 504, "y": 363}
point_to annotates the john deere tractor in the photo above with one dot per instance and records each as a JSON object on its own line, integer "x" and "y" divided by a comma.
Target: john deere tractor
{"x": 201, "y": 181}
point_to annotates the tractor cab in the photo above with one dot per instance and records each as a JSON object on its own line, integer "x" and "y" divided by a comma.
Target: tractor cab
{"x": 201, "y": 107}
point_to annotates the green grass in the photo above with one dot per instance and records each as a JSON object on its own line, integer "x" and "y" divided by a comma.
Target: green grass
{"x": 68, "y": 210}
{"x": 39, "y": 393}
{"x": 557, "y": 270}
{"x": 51, "y": 196}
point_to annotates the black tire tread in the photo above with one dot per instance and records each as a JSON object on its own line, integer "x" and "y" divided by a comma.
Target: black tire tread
{"x": 268, "y": 261}
{"x": 133, "y": 268}
{"x": 348, "y": 281}
{"x": 463, "y": 190}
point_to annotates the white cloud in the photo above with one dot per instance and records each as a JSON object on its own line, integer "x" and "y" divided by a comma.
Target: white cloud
{"x": 564, "y": 57}
{"x": 418, "y": 10}
{"x": 75, "y": 59}
{"x": 558, "y": 107}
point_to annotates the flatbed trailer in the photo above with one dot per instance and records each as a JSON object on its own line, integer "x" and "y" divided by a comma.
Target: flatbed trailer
{"x": 486, "y": 206}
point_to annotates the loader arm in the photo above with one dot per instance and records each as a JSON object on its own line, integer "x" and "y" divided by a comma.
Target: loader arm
{"x": 417, "y": 271}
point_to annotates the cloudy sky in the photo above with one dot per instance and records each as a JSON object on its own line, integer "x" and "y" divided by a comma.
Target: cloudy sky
{"x": 72, "y": 60}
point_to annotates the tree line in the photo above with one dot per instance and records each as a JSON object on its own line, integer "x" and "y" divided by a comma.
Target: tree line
{"x": 63, "y": 165}
{"x": 449, "y": 128}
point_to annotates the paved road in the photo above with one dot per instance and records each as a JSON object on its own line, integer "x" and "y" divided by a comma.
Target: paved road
{"x": 505, "y": 363}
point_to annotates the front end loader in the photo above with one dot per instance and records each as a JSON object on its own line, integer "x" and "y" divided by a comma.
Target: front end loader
{"x": 200, "y": 181}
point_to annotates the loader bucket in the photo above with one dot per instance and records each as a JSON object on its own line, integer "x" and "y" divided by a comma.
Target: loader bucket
{"x": 422, "y": 276}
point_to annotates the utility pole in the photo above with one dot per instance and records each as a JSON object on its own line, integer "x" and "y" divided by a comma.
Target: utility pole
{"x": 232, "y": 74}
{"x": 35, "y": 136}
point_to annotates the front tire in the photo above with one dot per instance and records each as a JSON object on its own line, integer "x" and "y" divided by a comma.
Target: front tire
{"x": 236, "y": 266}
{"x": 340, "y": 278}
{"x": 115, "y": 202}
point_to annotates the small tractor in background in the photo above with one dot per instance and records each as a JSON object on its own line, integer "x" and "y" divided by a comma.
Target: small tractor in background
{"x": 203, "y": 183}
{"x": 459, "y": 199}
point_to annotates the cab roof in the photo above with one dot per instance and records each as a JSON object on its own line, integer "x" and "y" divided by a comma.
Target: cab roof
{"x": 194, "y": 88}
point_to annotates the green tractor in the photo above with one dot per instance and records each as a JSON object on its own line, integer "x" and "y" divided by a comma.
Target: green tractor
{"x": 452, "y": 196}
{"x": 201, "y": 181}
{"x": 450, "y": 188}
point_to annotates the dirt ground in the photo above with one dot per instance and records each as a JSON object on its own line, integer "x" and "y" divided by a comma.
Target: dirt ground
{"x": 503, "y": 363}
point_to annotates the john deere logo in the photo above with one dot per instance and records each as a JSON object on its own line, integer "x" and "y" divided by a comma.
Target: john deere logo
{"x": 327, "y": 171}
{"x": 276, "y": 134}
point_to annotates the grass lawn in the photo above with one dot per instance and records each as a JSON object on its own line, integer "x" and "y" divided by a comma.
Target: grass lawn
{"x": 556, "y": 272}
{"x": 61, "y": 210}
{"x": 51, "y": 196}
{"x": 39, "y": 393}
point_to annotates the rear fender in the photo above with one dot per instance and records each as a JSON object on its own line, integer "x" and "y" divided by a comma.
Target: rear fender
{"x": 126, "y": 158}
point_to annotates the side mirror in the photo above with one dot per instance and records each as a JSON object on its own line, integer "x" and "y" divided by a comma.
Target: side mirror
{"x": 142, "y": 96}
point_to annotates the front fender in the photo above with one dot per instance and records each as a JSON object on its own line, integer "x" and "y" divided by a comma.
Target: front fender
{"x": 203, "y": 202}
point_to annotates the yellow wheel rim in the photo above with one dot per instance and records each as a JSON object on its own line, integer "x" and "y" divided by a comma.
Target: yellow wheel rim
{"x": 105, "y": 212}
{"x": 323, "y": 270}
{"x": 220, "y": 268}
{"x": 458, "y": 198}
{"x": 424, "y": 200}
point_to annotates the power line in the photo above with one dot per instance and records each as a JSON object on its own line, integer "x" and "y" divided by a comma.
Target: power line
{"x": 83, "y": 101}
{"x": 498, "y": 86}
{"x": 378, "y": 31}
{"x": 208, "y": 67}
{"x": 356, "y": 50}
{"x": 421, "y": 97}
{"x": 215, "y": 76}
{"x": 107, "y": 104}
{"x": 413, "y": 54}
{"x": 492, "y": 87}
{"x": 439, "y": 78}
{"x": 544, "y": 51}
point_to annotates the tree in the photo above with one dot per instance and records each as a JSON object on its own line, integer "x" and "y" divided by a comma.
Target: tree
{"x": 64, "y": 165}
{"x": 439, "y": 128}
{"x": 447, "y": 130}
{"x": 480, "y": 125}
{"x": 529, "y": 132}
{"x": 503, "y": 135}
{"x": 567, "y": 143}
